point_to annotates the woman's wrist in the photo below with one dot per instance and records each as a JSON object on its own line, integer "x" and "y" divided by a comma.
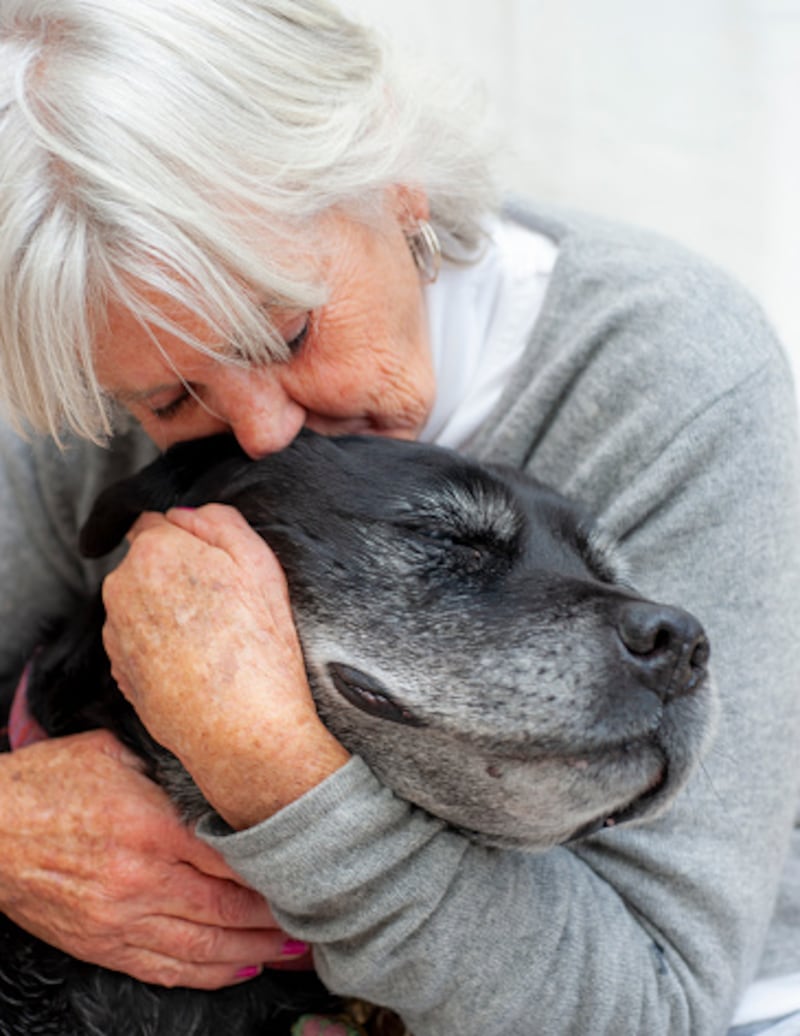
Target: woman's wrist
{"x": 277, "y": 764}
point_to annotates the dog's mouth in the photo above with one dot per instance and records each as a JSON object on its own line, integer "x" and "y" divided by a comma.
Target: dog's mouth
{"x": 635, "y": 773}
{"x": 634, "y": 807}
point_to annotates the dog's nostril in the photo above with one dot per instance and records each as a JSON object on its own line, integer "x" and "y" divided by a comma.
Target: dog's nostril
{"x": 652, "y": 630}
{"x": 667, "y": 646}
{"x": 700, "y": 652}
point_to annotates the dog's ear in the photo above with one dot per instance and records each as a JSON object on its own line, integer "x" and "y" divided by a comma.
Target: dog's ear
{"x": 157, "y": 487}
{"x": 118, "y": 507}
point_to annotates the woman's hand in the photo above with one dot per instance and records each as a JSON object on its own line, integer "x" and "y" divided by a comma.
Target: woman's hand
{"x": 94, "y": 860}
{"x": 202, "y": 642}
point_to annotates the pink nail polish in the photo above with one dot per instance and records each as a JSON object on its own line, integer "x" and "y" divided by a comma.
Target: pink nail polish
{"x": 249, "y": 972}
{"x": 294, "y": 948}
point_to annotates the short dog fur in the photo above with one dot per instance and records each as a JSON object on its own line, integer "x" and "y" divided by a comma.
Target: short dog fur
{"x": 464, "y": 632}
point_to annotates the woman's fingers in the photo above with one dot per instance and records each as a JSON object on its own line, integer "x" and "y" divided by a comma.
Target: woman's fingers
{"x": 219, "y": 526}
{"x": 203, "y": 957}
{"x": 94, "y": 859}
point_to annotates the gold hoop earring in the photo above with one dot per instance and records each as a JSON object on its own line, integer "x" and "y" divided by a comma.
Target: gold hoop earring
{"x": 426, "y": 250}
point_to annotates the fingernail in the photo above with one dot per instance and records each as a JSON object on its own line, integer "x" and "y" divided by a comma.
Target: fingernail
{"x": 249, "y": 972}
{"x": 294, "y": 948}
{"x": 319, "y": 1025}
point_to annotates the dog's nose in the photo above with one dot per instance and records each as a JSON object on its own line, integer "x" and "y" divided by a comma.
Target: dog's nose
{"x": 667, "y": 646}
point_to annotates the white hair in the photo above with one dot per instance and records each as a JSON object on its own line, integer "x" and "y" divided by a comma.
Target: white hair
{"x": 152, "y": 145}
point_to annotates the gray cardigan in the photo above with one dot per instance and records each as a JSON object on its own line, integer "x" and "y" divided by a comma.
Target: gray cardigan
{"x": 652, "y": 390}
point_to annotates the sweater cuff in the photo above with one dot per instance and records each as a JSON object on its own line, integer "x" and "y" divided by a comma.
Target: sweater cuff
{"x": 340, "y": 837}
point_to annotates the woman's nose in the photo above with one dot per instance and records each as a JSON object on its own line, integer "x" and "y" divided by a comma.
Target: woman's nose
{"x": 259, "y": 412}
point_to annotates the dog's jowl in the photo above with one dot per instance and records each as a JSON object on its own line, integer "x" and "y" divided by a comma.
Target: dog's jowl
{"x": 464, "y": 632}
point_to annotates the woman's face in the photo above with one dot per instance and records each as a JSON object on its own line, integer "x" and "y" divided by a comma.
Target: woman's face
{"x": 359, "y": 363}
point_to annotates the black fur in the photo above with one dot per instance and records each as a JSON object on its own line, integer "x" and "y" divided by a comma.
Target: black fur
{"x": 463, "y": 631}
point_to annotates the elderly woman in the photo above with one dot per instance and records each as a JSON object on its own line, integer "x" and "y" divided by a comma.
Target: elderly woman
{"x": 230, "y": 216}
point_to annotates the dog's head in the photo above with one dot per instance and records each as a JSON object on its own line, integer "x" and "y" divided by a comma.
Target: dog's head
{"x": 463, "y": 630}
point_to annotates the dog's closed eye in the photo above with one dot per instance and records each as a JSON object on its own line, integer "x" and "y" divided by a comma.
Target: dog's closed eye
{"x": 369, "y": 694}
{"x": 468, "y": 554}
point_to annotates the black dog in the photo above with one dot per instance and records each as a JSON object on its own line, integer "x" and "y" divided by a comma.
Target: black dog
{"x": 463, "y": 632}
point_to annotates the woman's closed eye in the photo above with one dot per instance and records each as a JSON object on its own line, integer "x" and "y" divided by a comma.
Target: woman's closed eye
{"x": 189, "y": 395}
{"x": 174, "y": 407}
{"x": 295, "y": 343}
{"x": 294, "y": 335}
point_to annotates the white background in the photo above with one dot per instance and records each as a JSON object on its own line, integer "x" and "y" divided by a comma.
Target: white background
{"x": 680, "y": 115}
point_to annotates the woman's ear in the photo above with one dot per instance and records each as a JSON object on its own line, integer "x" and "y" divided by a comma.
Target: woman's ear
{"x": 412, "y": 212}
{"x": 409, "y": 204}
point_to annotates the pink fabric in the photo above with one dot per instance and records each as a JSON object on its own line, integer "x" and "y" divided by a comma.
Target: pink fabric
{"x": 22, "y": 727}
